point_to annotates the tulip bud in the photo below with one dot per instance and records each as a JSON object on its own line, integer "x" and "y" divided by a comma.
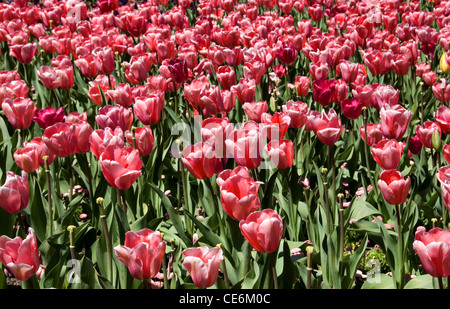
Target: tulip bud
{"x": 445, "y": 67}
{"x": 436, "y": 140}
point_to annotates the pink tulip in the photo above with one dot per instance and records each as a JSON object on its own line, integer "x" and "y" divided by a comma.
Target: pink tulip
{"x": 101, "y": 138}
{"x": 60, "y": 139}
{"x": 297, "y": 111}
{"x": 239, "y": 196}
{"x": 24, "y": 53}
{"x": 263, "y": 230}
{"x": 443, "y": 176}
{"x": 14, "y": 194}
{"x": 442, "y": 117}
{"x": 246, "y": 145}
{"x": 142, "y": 253}
{"x": 27, "y": 158}
{"x": 113, "y": 116}
{"x": 201, "y": 160}
{"x": 19, "y": 112}
{"x": 122, "y": 95}
{"x": 148, "y": 109}
{"x": 387, "y": 153}
{"x": 203, "y": 264}
{"x": 394, "y": 121}
{"x": 254, "y": 110}
{"x": 48, "y": 77}
{"x": 276, "y": 125}
{"x": 225, "y": 174}
{"x": 226, "y": 77}
{"x": 143, "y": 138}
{"x": 394, "y": 187}
{"x": 20, "y": 256}
{"x": 327, "y": 127}
{"x": 433, "y": 249}
{"x": 280, "y": 152}
{"x": 425, "y": 132}
{"x": 121, "y": 166}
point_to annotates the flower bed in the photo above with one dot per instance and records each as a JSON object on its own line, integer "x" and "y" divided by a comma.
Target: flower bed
{"x": 295, "y": 144}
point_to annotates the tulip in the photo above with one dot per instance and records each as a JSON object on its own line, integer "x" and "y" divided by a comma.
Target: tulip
{"x": 323, "y": 91}
{"x": 374, "y": 134}
{"x": 203, "y": 264}
{"x": 27, "y": 158}
{"x": 351, "y": 108}
{"x": 226, "y": 77}
{"x": 201, "y": 160}
{"x": 48, "y": 116}
{"x": 263, "y": 230}
{"x": 394, "y": 187}
{"x": 14, "y": 194}
{"x": 280, "y": 152}
{"x": 20, "y": 256}
{"x": 100, "y": 139}
{"x": 433, "y": 249}
{"x": 425, "y": 132}
{"x": 443, "y": 177}
{"x": 48, "y": 77}
{"x": 142, "y": 253}
{"x": 287, "y": 53}
{"x": 276, "y": 125}
{"x": 254, "y": 110}
{"x": 104, "y": 60}
{"x": 41, "y": 149}
{"x": 13, "y": 89}
{"x": 113, "y": 116}
{"x": 122, "y": 95}
{"x": 143, "y": 138}
{"x": 83, "y": 131}
{"x": 327, "y": 127}
{"x": 239, "y": 195}
{"x": 297, "y": 111}
{"x": 87, "y": 65}
{"x": 194, "y": 91}
{"x": 245, "y": 90}
{"x": 442, "y": 117}
{"x": 19, "y": 112}
{"x": 121, "y": 166}
{"x": 394, "y": 121}
{"x": 148, "y": 109}
{"x": 302, "y": 83}
{"x": 387, "y": 153}
{"x": 60, "y": 139}
{"x": 225, "y": 174}
{"x": 24, "y": 53}
{"x": 178, "y": 69}
{"x": 245, "y": 145}
{"x": 215, "y": 131}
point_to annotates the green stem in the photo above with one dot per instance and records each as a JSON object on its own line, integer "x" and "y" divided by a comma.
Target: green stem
{"x": 107, "y": 238}
{"x": 69, "y": 163}
{"x": 441, "y": 284}
{"x": 50, "y": 193}
{"x": 273, "y": 257}
{"x": 400, "y": 246}
{"x": 164, "y": 269}
{"x": 216, "y": 204}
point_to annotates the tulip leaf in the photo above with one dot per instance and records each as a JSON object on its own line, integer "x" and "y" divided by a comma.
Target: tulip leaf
{"x": 174, "y": 215}
{"x": 381, "y": 281}
{"x": 268, "y": 193}
{"x": 420, "y": 282}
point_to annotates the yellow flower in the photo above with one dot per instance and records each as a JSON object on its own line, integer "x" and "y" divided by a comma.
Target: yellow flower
{"x": 445, "y": 66}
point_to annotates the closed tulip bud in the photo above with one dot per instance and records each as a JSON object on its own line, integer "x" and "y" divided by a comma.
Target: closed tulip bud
{"x": 433, "y": 249}
{"x": 20, "y": 256}
{"x": 14, "y": 194}
{"x": 143, "y": 138}
{"x": 148, "y": 109}
{"x": 113, "y": 116}
{"x": 254, "y": 110}
{"x": 394, "y": 187}
{"x": 263, "y": 230}
{"x": 203, "y": 264}
{"x": 142, "y": 253}
{"x": 444, "y": 65}
{"x": 436, "y": 140}
{"x": 226, "y": 77}
{"x": 27, "y": 158}
{"x": 121, "y": 166}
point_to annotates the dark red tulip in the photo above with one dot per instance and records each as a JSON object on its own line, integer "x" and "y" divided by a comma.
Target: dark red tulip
{"x": 48, "y": 116}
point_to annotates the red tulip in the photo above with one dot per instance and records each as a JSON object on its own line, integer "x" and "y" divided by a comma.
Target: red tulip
{"x": 387, "y": 153}
{"x": 351, "y": 108}
{"x": 394, "y": 187}
{"x": 19, "y": 112}
{"x": 48, "y": 116}
{"x": 433, "y": 249}
{"x": 104, "y": 60}
{"x": 14, "y": 194}
{"x": 203, "y": 265}
{"x": 323, "y": 91}
{"x": 280, "y": 152}
{"x": 201, "y": 160}
{"x": 276, "y": 125}
{"x": 225, "y": 174}
{"x": 400, "y": 64}
{"x": 60, "y": 139}
{"x": 113, "y": 116}
{"x": 394, "y": 121}
{"x": 142, "y": 253}
{"x": 121, "y": 166}
{"x": 27, "y": 158}
{"x": 148, "y": 109}
{"x": 83, "y": 131}
{"x": 327, "y": 127}
{"x": 245, "y": 90}
{"x": 215, "y": 131}
{"x": 425, "y": 132}
{"x": 415, "y": 145}
{"x": 143, "y": 138}
{"x": 302, "y": 83}
{"x": 87, "y": 65}
{"x": 194, "y": 91}
{"x": 20, "y": 256}
{"x": 239, "y": 195}
{"x": 287, "y": 53}
{"x": 178, "y": 69}
{"x": 263, "y": 230}
{"x": 13, "y": 89}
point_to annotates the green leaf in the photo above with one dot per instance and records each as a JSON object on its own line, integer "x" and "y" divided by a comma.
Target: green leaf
{"x": 420, "y": 282}
{"x": 382, "y": 281}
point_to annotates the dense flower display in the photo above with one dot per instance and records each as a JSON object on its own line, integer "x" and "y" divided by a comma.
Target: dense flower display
{"x": 224, "y": 144}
